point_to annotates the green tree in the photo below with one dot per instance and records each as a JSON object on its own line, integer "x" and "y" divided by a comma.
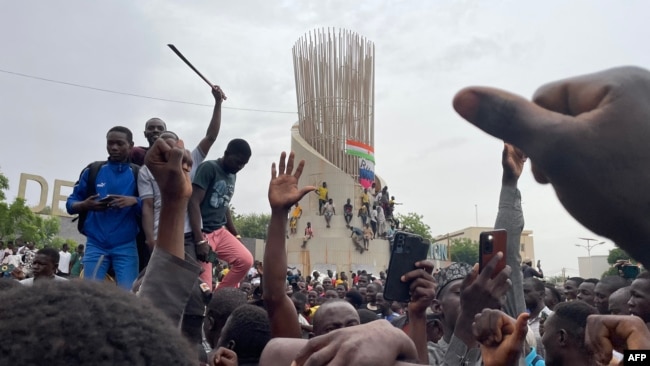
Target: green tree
{"x": 4, "y": 185}
{"x": 464, "y": 250}
{"x": 617, "y": 254}
{"x": 18, "y": 220}
{"x": 252, "y": 225}
{"x": 612, "y": 271}
{"x": 57, "y": 243}
{"x": 413, "y": 223}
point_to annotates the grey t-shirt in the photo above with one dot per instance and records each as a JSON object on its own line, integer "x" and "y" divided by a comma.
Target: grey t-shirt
{"x": 219, "y": 188}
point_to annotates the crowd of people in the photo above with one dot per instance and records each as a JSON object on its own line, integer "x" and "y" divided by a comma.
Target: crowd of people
{"x": 375, "y": 215}
{"x": 269, "y": 314}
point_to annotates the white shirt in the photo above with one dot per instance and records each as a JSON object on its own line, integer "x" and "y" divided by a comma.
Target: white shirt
{"x": 14, "y": 260}
{"x": 64, "y": 262}
{"x": 30, "y": 281}
{"x": 380, "y": 214}
{"x": 148, "y": 188}
{"x": 255, "y": 279}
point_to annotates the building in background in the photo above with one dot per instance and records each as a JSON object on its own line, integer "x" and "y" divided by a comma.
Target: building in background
{"x": 442, "y": 247}
{"x": 593, "y": 266}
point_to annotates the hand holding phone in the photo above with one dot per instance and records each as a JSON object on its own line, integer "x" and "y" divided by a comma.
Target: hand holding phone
{"x": 407, "y": 249}
{"x": 108, "y": 199}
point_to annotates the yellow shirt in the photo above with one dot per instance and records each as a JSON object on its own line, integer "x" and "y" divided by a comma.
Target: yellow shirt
{"x": 365, "y": 198}
{"x": 312, "y": 311}
{"x": 297, "y": 212}
{"x": 322, "y": 193}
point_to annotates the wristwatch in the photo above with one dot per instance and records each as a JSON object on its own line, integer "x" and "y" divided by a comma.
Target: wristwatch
{"x": 201, "y": 242}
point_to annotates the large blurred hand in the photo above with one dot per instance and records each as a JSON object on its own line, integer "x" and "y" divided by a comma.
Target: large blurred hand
{"x": 605, "y": 333}
{"x": 341, "y": 347}
{"x": 170, "y": 164}
{"x": 501, "y": 337}
{"x": 588, "y": 136}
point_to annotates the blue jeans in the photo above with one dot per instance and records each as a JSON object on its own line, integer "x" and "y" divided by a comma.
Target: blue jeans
{"x": 122, "y": 257}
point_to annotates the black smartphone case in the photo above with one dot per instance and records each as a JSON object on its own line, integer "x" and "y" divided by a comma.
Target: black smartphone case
{"x": 407, "y": 249}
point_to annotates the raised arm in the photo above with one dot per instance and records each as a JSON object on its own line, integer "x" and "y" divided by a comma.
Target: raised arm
{"x": 423, "y": 291}
{"x": 170, "y": 165}
{"x": 501, "y": 336}
{"x": 215, "y": 123}
{"x": 511, "y": 218}
{"x": 283, "y": 193}
{"x": 479, "y": 291}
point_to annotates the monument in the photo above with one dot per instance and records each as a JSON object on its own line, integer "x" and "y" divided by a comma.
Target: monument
{"x": 335, "y": 87}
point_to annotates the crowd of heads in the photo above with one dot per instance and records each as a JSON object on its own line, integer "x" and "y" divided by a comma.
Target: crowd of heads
{"x": 458, "y": 305}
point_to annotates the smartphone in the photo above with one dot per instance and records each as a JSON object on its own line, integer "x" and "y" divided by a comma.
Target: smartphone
{"x": 490, "y": 243}
{"x": 108, "y": 199}
{"x": 212, "y": 256}
{"x": 407, "y": 249}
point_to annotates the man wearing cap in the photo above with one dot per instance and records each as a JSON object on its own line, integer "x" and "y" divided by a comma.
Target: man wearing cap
{"x": 447, "y": 306}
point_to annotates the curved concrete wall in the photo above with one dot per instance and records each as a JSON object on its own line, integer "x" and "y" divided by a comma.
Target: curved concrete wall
{"x": 330, "y": 248}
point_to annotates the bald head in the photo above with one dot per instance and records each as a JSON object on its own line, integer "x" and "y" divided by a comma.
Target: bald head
{"x": 334, "y": 314}
{"x": 618, "y": 301}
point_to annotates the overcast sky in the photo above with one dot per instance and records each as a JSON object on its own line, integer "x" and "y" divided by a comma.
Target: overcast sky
{"x": 425, "y": 52}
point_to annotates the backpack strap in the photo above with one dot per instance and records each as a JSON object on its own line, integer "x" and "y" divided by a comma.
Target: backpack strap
{"x": 135, "y": 168}
{"x": 93, "y": 170}
{"x": 91, "y": 189}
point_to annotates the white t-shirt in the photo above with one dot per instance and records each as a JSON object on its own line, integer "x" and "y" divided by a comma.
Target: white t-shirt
{"x": 30, "y": 281}
{"x": 253, "y": 273}
{"x": 148, "y": 188}
{"x": 64, "y": 262}
{"x": 14, "y": 260}
{"x": 380, "y": 214}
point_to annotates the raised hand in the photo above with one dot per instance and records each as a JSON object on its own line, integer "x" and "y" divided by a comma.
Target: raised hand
{"x": 605, "y": 333}
{"x": 341, "y": 347}
{"x": 587, "y": 136}
{"x": 501, "y": 337}
{"x": 222, "y": 357}
{"x": 480, "y": 291}
{"x": 513, "y": 161}
{"x": 423, "y": 287}
{"x": 283, "y": 188}
{"x": 218, "y": 94}
{"x": 170, "y": 164}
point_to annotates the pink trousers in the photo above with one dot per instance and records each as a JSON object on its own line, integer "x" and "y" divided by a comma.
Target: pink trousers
{"x": 231, "y": 250}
